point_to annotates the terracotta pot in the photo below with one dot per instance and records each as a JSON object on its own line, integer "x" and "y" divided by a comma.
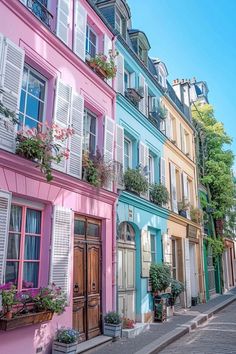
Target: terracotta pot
{"x": 8, "y": 315}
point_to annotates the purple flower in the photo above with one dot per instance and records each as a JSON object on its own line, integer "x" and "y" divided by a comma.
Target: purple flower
{"x": 6, "y": 286}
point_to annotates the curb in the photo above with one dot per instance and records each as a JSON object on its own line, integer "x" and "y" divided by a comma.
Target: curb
{"x": 159, "y": 344}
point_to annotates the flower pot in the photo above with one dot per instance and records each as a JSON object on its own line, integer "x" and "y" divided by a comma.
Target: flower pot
{"x": 98, "y": 70}
{"x": 7, "y": 324}
{"x": 112, "y": 330}
{"x": 59, "y": 348}
{"x": 9, "y": 315}
{"x": 183, "y": 213}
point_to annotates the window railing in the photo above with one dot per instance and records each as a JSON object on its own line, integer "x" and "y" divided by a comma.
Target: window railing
{"x": 40, "y": 10}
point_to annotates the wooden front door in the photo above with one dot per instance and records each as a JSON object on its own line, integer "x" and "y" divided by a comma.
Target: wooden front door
{"x": 87, "y": 278}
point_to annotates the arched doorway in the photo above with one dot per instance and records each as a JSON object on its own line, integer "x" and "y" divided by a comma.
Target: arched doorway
{"x": 126, "y": 270}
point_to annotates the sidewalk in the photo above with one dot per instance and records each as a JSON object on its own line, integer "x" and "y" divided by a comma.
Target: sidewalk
{"x": 162, "y": 334}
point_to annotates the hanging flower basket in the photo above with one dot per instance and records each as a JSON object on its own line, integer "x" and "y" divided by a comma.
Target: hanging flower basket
{"x": 25, "y": 320}
{"x": 98, "y": 70}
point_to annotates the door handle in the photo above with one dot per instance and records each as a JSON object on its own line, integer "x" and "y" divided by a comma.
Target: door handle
{"x": 76, "y": 287}
{"x": 93, "y": 285}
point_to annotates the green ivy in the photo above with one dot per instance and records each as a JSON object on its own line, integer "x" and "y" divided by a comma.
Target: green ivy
{"x": 217, "y": 246}
{"x": 217, "y": 160}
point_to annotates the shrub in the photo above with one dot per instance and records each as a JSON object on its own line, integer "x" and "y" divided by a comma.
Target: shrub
{"x": 176, "y": 288}
{"x": 135, "y": 181}
{"x": 112, "y": 318}
{"x": 196, "y": 215}
{"x": 159, "y": 194}
{"x": 160, "y": 276}
{"x": 67, "y": 335}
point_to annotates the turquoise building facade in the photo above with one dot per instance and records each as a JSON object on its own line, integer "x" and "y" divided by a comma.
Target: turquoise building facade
{"x": 140, "y": 223}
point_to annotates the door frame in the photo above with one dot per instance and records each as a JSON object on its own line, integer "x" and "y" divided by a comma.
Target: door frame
{"x": 87, "y": 240}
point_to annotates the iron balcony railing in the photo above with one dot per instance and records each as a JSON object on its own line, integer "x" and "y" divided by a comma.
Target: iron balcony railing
{"x": 39, "y": 9}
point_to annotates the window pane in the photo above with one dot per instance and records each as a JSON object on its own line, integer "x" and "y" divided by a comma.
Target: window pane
{"x": 32, "y": 247}
{"x": 13, "y": 249}
{"x": 126, "y": 147}
{"x": 93, "y": 38}
{"x": 36, "y": 86}
{"x": 22, "y": 101}
{"x": 25, "y": 78}
{"x": 34, "y": 108}
{"x": 30, "y": 275}
{"x": 92, "y": 144}
{"x": 79, "y": 227}
{"x": 15, "y": 218}
{"x": 92, "y": 125}
{"x": 31, "y": 123}
{"x": 33, "y": 221}
{"x": 93, "y": 229}
{"x": 11, "y": 272}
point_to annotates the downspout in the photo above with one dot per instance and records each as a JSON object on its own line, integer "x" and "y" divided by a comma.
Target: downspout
{"x": 114, "y": 260}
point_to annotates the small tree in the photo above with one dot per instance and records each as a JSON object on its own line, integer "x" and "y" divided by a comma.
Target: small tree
{"x": 160, "y": 276}
{"x": 159, "y": 194}
{"x": 135, "y": 181}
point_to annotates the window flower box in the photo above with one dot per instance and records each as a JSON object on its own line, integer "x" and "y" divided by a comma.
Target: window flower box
{"x": 133, "y": 95}
{"x": 25, "y": 320}
{"x": 98, "y": 70}
{"x": 104, "y": 65}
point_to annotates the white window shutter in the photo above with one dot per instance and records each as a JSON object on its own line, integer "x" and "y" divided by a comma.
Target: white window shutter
{"x": 61, "y": 248}
{"x": 62, "y": 110}
{"x": 163, "y": 171}
{"x": 107, "y": 45}
{"x": 76, "y": 140}
{"x": 167, "y": 249}
{"x": 187, "y": 273}
{"x": 143, "y": 162}
{"x": 11, "y": 65}
{"x": 173, "y": 188}
{"x": 62, "y": 28}
{"x": 5, "y": 208}
{"x": 142, "y": 106}
{"x": 146, "y": 253}
{"x": 107, "y": 48}
{"x": 120, "y": 74}
{"x": 119, "y": 153}
{"x": 168, "y": 127}
{"x": 186, "y": 192}
{"x": 155, "y": 103}
{"x": 109, "y": 137}
{"x": 80, "y": 20}
{"x": 146, "y": 99}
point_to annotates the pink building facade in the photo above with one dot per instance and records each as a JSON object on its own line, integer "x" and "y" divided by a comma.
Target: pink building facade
{"x": 48, "y": 228}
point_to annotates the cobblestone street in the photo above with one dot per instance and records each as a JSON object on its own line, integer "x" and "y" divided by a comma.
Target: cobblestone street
{"x": 216, "y": 336}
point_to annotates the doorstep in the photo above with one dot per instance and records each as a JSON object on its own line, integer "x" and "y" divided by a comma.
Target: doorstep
{"x": 94, "y": 343}
{"x": 138, "y": 329}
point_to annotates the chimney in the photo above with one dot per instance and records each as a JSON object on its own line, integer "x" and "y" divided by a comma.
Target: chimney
{"x": 182, "y": 90}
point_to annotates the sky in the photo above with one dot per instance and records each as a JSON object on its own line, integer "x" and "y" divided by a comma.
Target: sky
{"x": 195, "y": 38}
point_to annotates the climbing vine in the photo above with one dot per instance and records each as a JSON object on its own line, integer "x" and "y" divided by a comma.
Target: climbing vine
{"x": 216, "y": 158}
{"x": 217, "y": 246}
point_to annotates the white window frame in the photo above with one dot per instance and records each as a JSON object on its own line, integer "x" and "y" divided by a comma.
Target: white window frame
{"x": 29, "y": 68}
{"x": 90, "y": 29}
{"x": 130, "y": 152}
{"x": 86, "y": 111}
{"x": 153, "y": 252}
{"x": 174, "y": 241}
{"x": 118, "y": 16}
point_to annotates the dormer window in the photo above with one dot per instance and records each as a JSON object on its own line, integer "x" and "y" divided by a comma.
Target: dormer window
{"x": 120, "y": 24}
{"x": 91, "y": 43}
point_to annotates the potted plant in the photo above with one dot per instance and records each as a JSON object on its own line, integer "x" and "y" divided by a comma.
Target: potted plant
{"x": 135, "y": 181}
{"x": 43, "y": 147}
{"x": 104, "y": 65}
{"x": 160, "y": 276}
{"x": 128, "y": 323}
{"x": 196, "y": 215}
{"x": 112, "y": 324}
{"x": 159, "y": 194}
{"x": 29, "y": 306}
{"x": 65, "y": 341}
{"x": 8, "y": 292}
{"x": 177, "y": 287}
{"x": 183, "y": 207}
{"x": 96, "y": 170}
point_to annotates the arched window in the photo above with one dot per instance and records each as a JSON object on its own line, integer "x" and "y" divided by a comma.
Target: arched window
{"x": 126, "y": 233}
